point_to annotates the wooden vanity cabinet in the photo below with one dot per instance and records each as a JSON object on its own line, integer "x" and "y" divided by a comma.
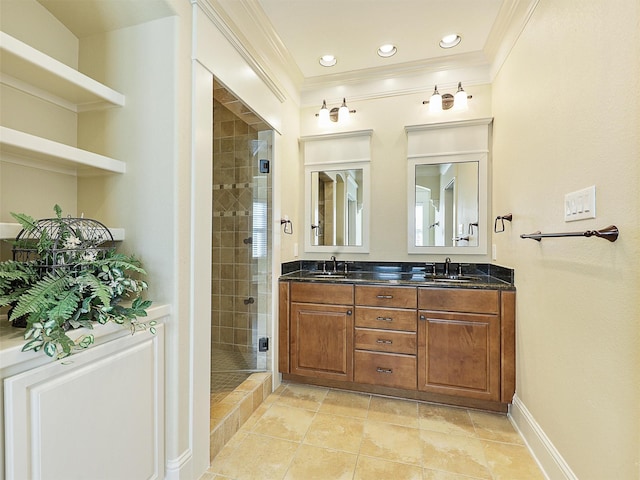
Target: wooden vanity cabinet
{"x": 448, "y": 345}
{"x": 321, "y": 330}
{"x": 385, "y": 336}
{"x": 459, "y": 344}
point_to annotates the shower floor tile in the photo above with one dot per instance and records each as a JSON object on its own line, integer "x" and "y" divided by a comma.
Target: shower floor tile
{"x": 228, "y": 370}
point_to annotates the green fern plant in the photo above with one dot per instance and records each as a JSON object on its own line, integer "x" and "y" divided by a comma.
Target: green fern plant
{"x": 88, "y": 292}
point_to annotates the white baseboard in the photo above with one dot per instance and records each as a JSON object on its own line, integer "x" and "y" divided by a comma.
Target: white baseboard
{"x": 180, "y": 468}
{"x": 545, "y": 453}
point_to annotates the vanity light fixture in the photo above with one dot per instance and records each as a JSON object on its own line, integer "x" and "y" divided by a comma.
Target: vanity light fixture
{"x": 450, "y": 41}
{"x": 438, "y": 102}
{"x": 387, "y": 50}
{"x": 323, "y": 115}
{"x": 336, "y": 114}
{"x": 460, "y": 99}
{"x": 328, "y": 60}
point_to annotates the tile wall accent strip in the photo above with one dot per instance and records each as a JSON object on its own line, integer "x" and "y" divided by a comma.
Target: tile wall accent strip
{"x": 242, "y": 213}
{"x": 230, "y": 186}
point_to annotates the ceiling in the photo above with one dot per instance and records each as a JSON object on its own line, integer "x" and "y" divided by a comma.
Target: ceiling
{"x": 301, "y": 31}
{"x": 352, "y": 30}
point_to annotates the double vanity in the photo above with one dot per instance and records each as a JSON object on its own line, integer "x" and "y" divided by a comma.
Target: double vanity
{"x": 443, "y": 333}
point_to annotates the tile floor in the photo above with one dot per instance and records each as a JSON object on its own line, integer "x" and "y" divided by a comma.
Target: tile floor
{"x": 304, "y": 433}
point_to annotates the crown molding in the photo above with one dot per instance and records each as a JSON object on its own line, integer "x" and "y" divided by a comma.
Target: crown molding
{"x": 479, "y": 67}
{"x": 277, "y": 49}
{"x": 216, "y": 13}
{"x": 398, "y": 70}
{"x": 510, "y": 22}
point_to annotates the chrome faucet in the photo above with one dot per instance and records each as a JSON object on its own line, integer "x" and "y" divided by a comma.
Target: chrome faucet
{"x": 335, "y": 263}
{"x": 447, "y": 264}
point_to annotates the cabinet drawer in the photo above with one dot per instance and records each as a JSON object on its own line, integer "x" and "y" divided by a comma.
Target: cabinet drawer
{"x": 385, "y": 369}
{"x": 310, "y": 292}
{"x": 383, "y": 296}
{"x": 458, "y": 300}
{"x": 385, "y": 341}
{"x": 386, "y": 318}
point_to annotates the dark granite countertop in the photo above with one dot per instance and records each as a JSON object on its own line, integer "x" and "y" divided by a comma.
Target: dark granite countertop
{"x": 477, "y": 276}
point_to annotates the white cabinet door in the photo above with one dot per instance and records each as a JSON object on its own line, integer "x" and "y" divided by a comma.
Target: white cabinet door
{"x": 98, "y": 414}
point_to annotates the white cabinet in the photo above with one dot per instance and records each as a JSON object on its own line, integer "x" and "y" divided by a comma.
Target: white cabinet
{"x": 98, "y": 414}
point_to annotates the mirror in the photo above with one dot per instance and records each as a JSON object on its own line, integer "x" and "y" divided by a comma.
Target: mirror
{"x": 336, "y": 211}
{"x": 447, "y": 204}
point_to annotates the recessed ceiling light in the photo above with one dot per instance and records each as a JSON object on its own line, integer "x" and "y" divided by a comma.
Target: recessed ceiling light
{"x": 387, "y": 50}
{"x": 328, "y": 60}
{"x": 449, "y": 41}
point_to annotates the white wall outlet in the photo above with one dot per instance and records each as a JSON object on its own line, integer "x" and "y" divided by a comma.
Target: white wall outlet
{"x": 295, "y": 250}
{"x": 580, "y": 204}
{"x": 494, "y": 252}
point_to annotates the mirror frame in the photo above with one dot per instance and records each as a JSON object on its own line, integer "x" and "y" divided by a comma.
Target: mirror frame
{"x": 366, "y": 207}
{"x": 481, "y": 247}
{"x": 449, "y": 142}
{"x": 338, "y": 151}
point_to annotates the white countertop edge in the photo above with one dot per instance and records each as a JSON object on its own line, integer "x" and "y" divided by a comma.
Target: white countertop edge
{"x": 12, "y": 340}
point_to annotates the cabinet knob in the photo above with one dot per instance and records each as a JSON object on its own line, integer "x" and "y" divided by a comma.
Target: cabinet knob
{"x": 349, "y": 312}
{"x": 384, "y": 370}
{"x": 385, "y": 341}
{"x": 422, "y": 317}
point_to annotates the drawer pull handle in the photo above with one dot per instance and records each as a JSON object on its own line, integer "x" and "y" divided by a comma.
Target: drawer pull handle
{"x": 385, "y": 296}
{"x": 384, "y": 370}
{"x": 385, "y": 319}
{"x": 386, "y": 342}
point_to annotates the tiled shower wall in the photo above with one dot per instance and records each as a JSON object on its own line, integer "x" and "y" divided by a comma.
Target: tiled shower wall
{"x": 233, "y": 317}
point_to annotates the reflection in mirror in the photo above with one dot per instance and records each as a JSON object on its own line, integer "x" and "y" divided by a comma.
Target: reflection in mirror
{"x": 448, "y": 187}
{"x": 336, "y": 207}
{"x": 446, "y": 204}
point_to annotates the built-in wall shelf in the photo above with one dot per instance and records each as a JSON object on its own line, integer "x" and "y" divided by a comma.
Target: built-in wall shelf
{"x": 21, "y": 147}
{"x": 9, "y": 231}
{"x": 28, "y": 69}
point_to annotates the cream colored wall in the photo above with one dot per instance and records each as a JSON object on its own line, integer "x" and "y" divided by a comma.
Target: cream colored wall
{"x": 31, "y": 23}
{"x": 140, "y": 134}
{"x": 387, "y": 117}
{"x": 567, "y": 110}
{"x": 150, "y": 64}
{"x": 24, "y": 189}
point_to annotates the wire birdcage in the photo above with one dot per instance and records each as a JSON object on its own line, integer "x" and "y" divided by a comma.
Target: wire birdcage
{"x": 56, "y": 243}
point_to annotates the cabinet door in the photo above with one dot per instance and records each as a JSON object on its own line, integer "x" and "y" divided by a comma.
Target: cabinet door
{"x": 322, "y": 341}
{"x": 98, "y": 414}
{"x": 459, "y": 354}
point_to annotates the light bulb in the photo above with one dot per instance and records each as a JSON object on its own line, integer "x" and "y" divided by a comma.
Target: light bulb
{"x": 387, "y": 50}
{"x": 435, "y": 102}
{"x": 343, "y": 112}
{"x": 328, "y": 60}
{"x": 323, "y": 114}
{"x": 460, "y": 99}
{"x": 449, "y": 41}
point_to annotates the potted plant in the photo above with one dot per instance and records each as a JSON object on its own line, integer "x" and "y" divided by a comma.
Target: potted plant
{"x": 66, "y": 274}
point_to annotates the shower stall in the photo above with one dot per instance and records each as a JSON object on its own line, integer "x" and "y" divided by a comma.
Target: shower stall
{"x": 241, "y": 296}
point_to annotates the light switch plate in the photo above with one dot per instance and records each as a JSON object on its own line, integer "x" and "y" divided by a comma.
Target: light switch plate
{"x": 580, "y": 204}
